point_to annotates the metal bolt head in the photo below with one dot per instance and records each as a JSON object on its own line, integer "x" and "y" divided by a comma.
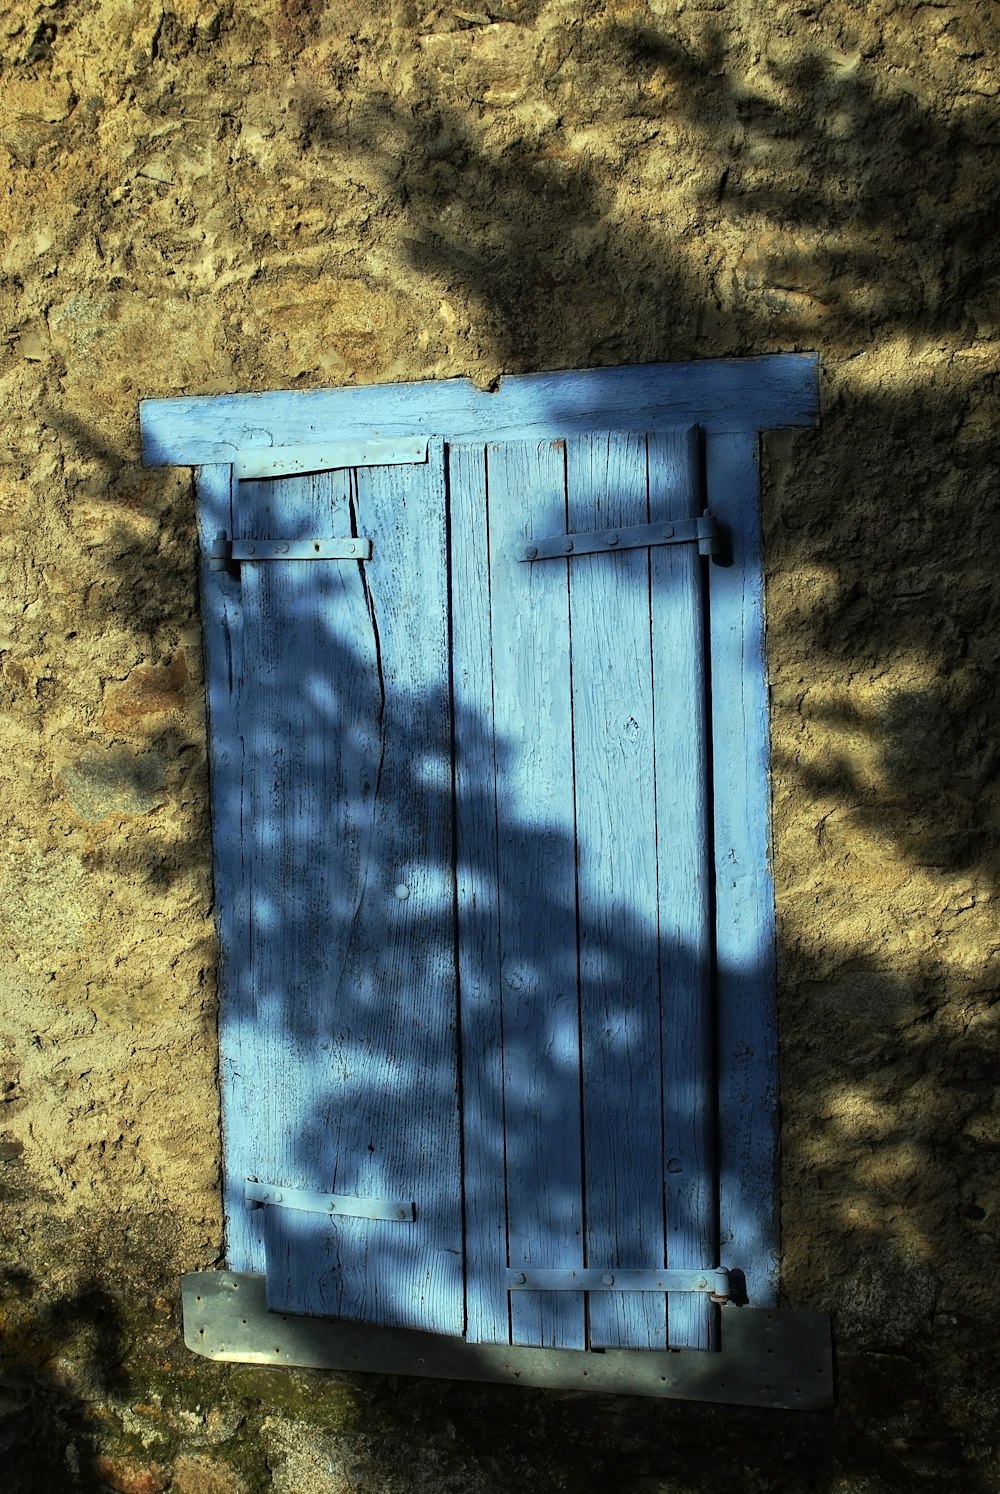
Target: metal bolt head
{"x": 568, "y": 546}
{"x": 352, "y": 549}
{"x": 702, "y": 1283}
{"x": 402, "y": 891}
{"x": 668, "y": 530}
{"x": 251, "y": 549}
{"x": 520, "y": 1278}
{"x": 530, "y": 551}
{"x": 674, "y": 1164}
{"x": 611, "y": 539}
{"x": 608, "y": 1280}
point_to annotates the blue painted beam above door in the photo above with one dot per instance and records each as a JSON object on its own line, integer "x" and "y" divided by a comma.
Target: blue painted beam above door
{"x": 725, "y": 394}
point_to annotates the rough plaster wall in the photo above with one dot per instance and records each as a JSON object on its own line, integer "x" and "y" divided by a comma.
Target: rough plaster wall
{"x": 211, "y": 198}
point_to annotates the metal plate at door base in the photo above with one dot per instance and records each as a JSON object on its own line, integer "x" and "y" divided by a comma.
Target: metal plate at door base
{"x": 780, "y": 1359}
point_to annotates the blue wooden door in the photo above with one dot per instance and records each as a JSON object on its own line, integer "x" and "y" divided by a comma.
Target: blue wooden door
{"x": 476, "y": 971}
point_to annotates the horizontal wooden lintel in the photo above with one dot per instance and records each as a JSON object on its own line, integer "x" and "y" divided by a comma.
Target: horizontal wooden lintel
{"x": 723, "y": 394}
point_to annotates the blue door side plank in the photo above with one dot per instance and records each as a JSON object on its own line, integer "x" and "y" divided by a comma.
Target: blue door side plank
{"x": 616, "y": 869}
{"x": 678, "y": 576}
{"x": 539, "y": 995}
{"x": 744, "y": 892}
{"x": 240, "y": 1078}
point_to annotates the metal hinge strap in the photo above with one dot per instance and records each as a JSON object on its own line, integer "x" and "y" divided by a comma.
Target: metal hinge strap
{"x": 703, "y": 531}
{"x": 530, "y": 1279}
{"x": 328, "y": 1203}
{"x": 226, "y": 552}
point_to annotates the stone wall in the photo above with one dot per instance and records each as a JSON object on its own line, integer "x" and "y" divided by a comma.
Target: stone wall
{"x": 287, "y": 194}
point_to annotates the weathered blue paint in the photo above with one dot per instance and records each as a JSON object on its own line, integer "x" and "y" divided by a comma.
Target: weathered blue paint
{"x": 465, "y": 850}
{"x": 682, "y": 811}
{"x": 241, "y": 1079}
{"x": 737, "y": 394}
{"x": 614, "y": 758}
{"x": 538, "y": 994}
{"x": 478, "y": 901}
{"x": 744, "y": 894}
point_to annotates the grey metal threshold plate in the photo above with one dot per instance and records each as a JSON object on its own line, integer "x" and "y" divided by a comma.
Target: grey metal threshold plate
{"x": 779, "y": 1359}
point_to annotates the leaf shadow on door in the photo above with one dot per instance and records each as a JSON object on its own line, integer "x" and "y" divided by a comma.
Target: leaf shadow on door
{"x": 328, "y": 1034}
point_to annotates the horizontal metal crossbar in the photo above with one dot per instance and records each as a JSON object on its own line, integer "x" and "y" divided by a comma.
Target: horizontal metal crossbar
{"x": 530, "y": 1279}
{"x": 226, "y": 552}
{"x": 351, "y": 547}
{"x": 286, "y": 461}
{"x": 328, "y": 1203}
{"x": 703, "y": 531}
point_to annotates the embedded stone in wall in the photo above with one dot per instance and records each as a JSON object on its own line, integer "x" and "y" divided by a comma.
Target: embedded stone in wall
{"x": 149, "y": 690}
{"x": 888, "y": 1299}
{"x": 200, "y": 1475}
{"x": 114, "y": 781}
{"x": 130, "y": 1475}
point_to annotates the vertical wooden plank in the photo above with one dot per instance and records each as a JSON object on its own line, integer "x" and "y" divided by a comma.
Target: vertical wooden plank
{"x": 311, "y": 708}
{"x": 684, "y": 885}
{"x": 239, "y": 1080}
{"x": 398, "y": 1130}
{"x": 351, "y": 935}
{"x": 535, "y": 828}
{"x": 487, "y": 1305}
{"x": 616, "y": 868}
{"x": 744, "y": 893}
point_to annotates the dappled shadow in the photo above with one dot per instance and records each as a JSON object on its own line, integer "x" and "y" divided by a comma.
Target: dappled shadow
{"x": 342, "y": 918}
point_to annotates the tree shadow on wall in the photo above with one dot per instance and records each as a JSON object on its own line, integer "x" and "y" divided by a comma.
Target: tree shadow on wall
{"x": 861, "y": 213}
{"x": 562, "y": 273}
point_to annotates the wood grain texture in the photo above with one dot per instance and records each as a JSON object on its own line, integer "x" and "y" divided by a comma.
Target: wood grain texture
{"x": 617, "y": 887}
{"x": 737, "y": 394}
{"x": 478, "y": 906}
{"x": 349, "y": 764}
{"x": 682, "y": 813}
{"x": 744, "y": 893}
{"x": 537, "y": 884}
{"x": 240, "y": 1078}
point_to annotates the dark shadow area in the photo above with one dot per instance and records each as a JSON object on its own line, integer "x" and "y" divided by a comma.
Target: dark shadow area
{"x": 40, "y": 1418}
